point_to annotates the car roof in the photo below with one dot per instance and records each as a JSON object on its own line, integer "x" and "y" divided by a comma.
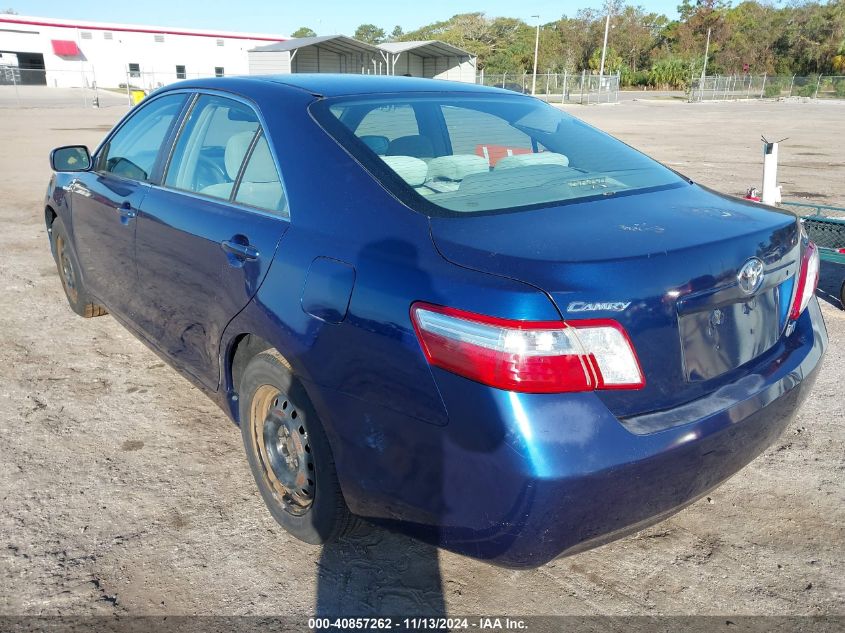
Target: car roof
{"x": 335, "y": 85}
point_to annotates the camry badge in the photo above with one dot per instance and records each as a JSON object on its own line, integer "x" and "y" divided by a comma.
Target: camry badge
{"x": 602, "y": 306}
{"x": 750, "y": 276}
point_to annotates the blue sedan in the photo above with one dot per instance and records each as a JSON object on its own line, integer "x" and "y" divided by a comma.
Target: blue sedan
{"x": 448, "y": 309}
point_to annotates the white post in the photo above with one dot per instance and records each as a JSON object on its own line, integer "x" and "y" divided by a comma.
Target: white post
{"x": 96, "y": 102}
{"x": 15, "y": 82}
{"x": 563, "y": 89}
{"x": 771, "y": 192}
{"x": 536, "y": 50}
{"x": 706, "y": 52}
{"x": 604, "y": 46}
{"x": 583, "y": 79}
{"x": 818, "y": 85}
{"x": 83, "y": 82}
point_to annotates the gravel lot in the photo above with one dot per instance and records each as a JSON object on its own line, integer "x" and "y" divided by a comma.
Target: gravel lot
{"x": 124, "y": 490}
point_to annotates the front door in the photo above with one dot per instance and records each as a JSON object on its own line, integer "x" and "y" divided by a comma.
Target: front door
{"x": 207, "y": 235}
{"x": 105, "y": 202}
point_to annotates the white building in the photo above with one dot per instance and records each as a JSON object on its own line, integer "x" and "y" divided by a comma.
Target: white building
{"x": 69, "y": 53}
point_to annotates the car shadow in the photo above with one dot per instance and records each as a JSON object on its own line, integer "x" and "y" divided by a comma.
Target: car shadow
{"x": 374, "y": 572}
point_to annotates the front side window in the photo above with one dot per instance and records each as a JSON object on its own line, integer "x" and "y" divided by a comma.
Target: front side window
{"x": 216, "y": 138}
{"x": 132, "y": 151}
{"x": 474, "y": 154}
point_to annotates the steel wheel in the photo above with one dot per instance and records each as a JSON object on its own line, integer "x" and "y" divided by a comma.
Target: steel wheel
{"x": 282, "y": 446}
{"x": 68, "y": 273}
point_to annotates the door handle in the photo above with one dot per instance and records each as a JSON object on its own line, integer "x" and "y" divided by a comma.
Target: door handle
{"x": 126, "y": 210}
{"x": 240, "y": 250}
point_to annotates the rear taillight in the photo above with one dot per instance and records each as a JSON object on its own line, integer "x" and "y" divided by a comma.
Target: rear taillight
{"x": 528, "y": 356}
{"x": 808, "y": 280}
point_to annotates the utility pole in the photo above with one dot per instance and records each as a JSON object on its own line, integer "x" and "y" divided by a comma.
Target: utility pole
{"x": 706, "y": 52}
{"x": 536, "y": 50}
{"x": 604, "y": 47}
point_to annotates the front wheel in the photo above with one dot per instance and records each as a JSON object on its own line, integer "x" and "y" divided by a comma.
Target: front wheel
{"x": 69, "y": 272}
{"x": 289, "y": 453}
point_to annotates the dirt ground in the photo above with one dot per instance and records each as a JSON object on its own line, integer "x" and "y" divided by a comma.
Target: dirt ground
{"x": 124, "y": 490}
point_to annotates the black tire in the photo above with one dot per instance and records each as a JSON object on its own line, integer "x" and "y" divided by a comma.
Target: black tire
{"x": 842, "y": 295}
{"x": 69, "y": 272}
{"x": 289, "y": 453}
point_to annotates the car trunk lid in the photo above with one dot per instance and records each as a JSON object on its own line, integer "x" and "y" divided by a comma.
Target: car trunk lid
{"x": 663, "y": 264}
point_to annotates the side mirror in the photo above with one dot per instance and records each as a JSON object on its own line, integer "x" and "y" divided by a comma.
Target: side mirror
{"x": 70, "y": 158}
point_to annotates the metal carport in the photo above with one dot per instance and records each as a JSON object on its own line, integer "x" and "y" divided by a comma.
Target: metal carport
{"x": 320, "y": 54}
{"x": 429, "y": 58}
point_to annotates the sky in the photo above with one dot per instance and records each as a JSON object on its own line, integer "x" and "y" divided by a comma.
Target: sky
{"x": 327, "y": 17}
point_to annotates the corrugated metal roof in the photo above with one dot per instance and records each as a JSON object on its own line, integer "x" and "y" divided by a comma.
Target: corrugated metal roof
{"x": 425, "y": 48}
{"x": 335, "y": 43}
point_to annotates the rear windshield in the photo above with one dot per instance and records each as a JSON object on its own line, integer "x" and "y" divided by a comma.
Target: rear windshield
{"x": 455, "y": 154}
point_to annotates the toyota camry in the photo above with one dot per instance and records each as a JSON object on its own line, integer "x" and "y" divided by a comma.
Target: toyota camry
{"x": 449, "y": 309}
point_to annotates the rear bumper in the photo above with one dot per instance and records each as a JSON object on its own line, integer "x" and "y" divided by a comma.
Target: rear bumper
{"x": 520, "y": 479}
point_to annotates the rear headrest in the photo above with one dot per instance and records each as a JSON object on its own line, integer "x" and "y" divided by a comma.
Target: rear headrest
{"x": 415, "y": 145}
{"x": 411, "y": 170}
{"x": 456, "y": 167}
{"x": 378, "y": 144}
{"x": 236, "y": 148}
{"x": 524, "y": 160}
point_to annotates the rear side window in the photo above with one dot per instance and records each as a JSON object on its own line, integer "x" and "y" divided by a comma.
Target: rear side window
{"x": 132, "y": 151}
{"x": 260, "y": 185}
{"x": 211, "y": 148}
{"x": 485, "y": 153}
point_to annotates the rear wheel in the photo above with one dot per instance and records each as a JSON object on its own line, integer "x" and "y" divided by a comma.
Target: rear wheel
{"x": 69, "y": 272}
{"x": 289, "y": 453}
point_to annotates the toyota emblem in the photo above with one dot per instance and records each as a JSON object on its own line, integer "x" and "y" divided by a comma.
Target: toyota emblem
{"x": 750, "y": 276}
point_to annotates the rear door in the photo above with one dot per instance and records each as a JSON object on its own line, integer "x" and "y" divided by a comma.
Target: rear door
{"x": 207, "y": 234}
{"x": 105, "y": 202}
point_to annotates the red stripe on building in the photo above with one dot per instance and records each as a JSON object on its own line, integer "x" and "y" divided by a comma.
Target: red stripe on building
{"x": 124, "y": 29}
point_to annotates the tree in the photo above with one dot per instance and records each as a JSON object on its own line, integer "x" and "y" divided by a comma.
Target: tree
{"x": 612, "y": 61}
{"x": 9, "y": 12}
{"x": 369, "y": 33}
{"x": 303, "y": 31}
{"x": 798, "y": 36}
{"x": 838, "y": 62}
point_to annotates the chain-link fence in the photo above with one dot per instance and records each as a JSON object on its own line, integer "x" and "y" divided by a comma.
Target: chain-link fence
{"x": 732, "y": 87}
{"x": 44, "y": 88}
{"x": 558, "y": 87}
